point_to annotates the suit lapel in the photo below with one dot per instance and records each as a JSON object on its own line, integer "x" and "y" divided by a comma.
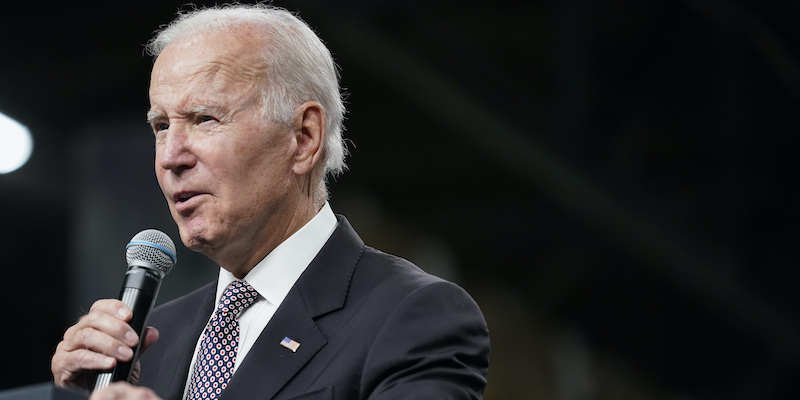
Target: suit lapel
{"x": 268, "y": 365}
{"x": 321, "y": 289}
{"x": 179, "y": 352}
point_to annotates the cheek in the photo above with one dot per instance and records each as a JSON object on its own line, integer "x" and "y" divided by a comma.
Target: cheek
{"x": 156, "y": 167}
{"x": 160, "y": 179}
{"x": 256, "y": 160}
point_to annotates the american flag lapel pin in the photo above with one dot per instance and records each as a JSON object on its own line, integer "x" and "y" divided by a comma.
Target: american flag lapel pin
{"x": 290, "y": 344}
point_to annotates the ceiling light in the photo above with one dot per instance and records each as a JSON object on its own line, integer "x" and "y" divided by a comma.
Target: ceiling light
{"x": 16, "y": 144}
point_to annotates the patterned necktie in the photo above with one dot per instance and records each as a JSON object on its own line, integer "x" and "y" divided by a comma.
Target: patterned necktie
{"x": 217, "y": 353}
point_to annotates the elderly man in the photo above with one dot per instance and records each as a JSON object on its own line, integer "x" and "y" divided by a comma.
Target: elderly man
{"x": 247, "y": 116}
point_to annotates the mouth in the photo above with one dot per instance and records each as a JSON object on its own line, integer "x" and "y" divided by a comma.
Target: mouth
{"x": 183, "y": 196}
{"x": 183, "y": 200}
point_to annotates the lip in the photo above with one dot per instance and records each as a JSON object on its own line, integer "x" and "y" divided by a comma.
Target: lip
{"x": 185, "y": 201}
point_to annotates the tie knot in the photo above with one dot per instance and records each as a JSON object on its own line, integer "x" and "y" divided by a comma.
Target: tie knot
{"x": 237, "y": 296}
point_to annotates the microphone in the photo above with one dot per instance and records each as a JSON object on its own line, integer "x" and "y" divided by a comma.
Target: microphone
{"x": 150, "y": 255}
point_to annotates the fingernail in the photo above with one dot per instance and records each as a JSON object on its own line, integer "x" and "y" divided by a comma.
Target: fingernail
{"x": 131, "y": 337}
{"x": 123, "y": 312}
{"x": 125, "y": 351}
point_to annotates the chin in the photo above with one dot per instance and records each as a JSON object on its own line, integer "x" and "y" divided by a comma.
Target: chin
{"x": 194, "y": 240}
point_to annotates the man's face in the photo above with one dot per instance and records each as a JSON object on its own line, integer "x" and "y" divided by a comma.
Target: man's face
{"x": 225, "y": 171}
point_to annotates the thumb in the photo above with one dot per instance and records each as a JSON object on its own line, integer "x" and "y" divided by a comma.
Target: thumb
{"x": 149, "y": 337}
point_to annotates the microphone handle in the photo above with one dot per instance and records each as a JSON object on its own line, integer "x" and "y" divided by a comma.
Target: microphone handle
{"x": 139, "y": 291}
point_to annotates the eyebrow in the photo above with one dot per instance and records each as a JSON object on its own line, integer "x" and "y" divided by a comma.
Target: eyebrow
{"x": 153, "y": 115}
{"x": 204, "y": 109}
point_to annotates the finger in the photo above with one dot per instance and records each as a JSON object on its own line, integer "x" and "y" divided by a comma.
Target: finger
{"x": 92, "y": 339}
{"x": 97, "y": 341}
{"x": 112, "y": 307}
{"x": 66, "y": 366}
{"x": 113, "y": 391}
{"x": 112, "y": 316}
{"x": 109, "y": 327}
{"x": 123, "y": 391}
{"x": 150, "y": 337}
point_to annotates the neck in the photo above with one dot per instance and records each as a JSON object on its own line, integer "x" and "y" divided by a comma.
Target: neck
{"x": 240, "y": 260}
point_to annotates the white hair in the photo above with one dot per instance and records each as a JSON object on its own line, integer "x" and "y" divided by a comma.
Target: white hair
{"x": 299, "y": 66}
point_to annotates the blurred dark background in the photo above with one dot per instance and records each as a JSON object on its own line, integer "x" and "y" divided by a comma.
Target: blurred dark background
{"x": 614, "y": 182}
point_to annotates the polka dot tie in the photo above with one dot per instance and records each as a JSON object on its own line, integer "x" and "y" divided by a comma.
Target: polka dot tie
{"x": 217, "y": 353}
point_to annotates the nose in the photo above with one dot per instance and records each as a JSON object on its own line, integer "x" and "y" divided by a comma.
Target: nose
{"x": 174, "y": 152}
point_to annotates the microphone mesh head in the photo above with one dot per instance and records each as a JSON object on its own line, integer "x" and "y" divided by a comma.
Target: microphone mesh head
{"x": 154, "y": 247}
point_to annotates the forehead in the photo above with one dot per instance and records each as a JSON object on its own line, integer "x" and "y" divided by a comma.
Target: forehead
{"x": 215, "y": 61}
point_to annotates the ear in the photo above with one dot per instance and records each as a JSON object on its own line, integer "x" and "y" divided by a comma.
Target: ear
{"x": 309, "y": 136}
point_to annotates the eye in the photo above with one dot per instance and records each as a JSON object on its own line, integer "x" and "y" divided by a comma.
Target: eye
{"x": 158, "y": 127}
{"x": 206, "y": 118}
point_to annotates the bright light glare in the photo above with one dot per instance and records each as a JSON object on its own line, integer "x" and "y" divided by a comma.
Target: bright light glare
{"x": 16, "y": 144}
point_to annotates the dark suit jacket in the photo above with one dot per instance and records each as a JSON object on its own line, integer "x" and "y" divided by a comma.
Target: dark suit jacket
{"x": 370, "y": 325}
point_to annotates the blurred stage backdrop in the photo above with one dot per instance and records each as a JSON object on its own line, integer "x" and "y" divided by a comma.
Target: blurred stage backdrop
{"x": 614, "y": 182}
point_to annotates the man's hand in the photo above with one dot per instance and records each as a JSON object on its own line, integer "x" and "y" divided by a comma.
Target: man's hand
{"x": 97, "y": 342}
{"x": 123, "y": 391}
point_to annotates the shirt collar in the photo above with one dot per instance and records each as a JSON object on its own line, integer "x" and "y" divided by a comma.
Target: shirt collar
{"x": 275, "y": 275}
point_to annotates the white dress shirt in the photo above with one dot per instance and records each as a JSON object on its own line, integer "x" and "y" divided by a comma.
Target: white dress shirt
{"x": 272, "y": 278}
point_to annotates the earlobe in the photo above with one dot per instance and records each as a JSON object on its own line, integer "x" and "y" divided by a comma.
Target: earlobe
{"x": 309, "y": 137}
